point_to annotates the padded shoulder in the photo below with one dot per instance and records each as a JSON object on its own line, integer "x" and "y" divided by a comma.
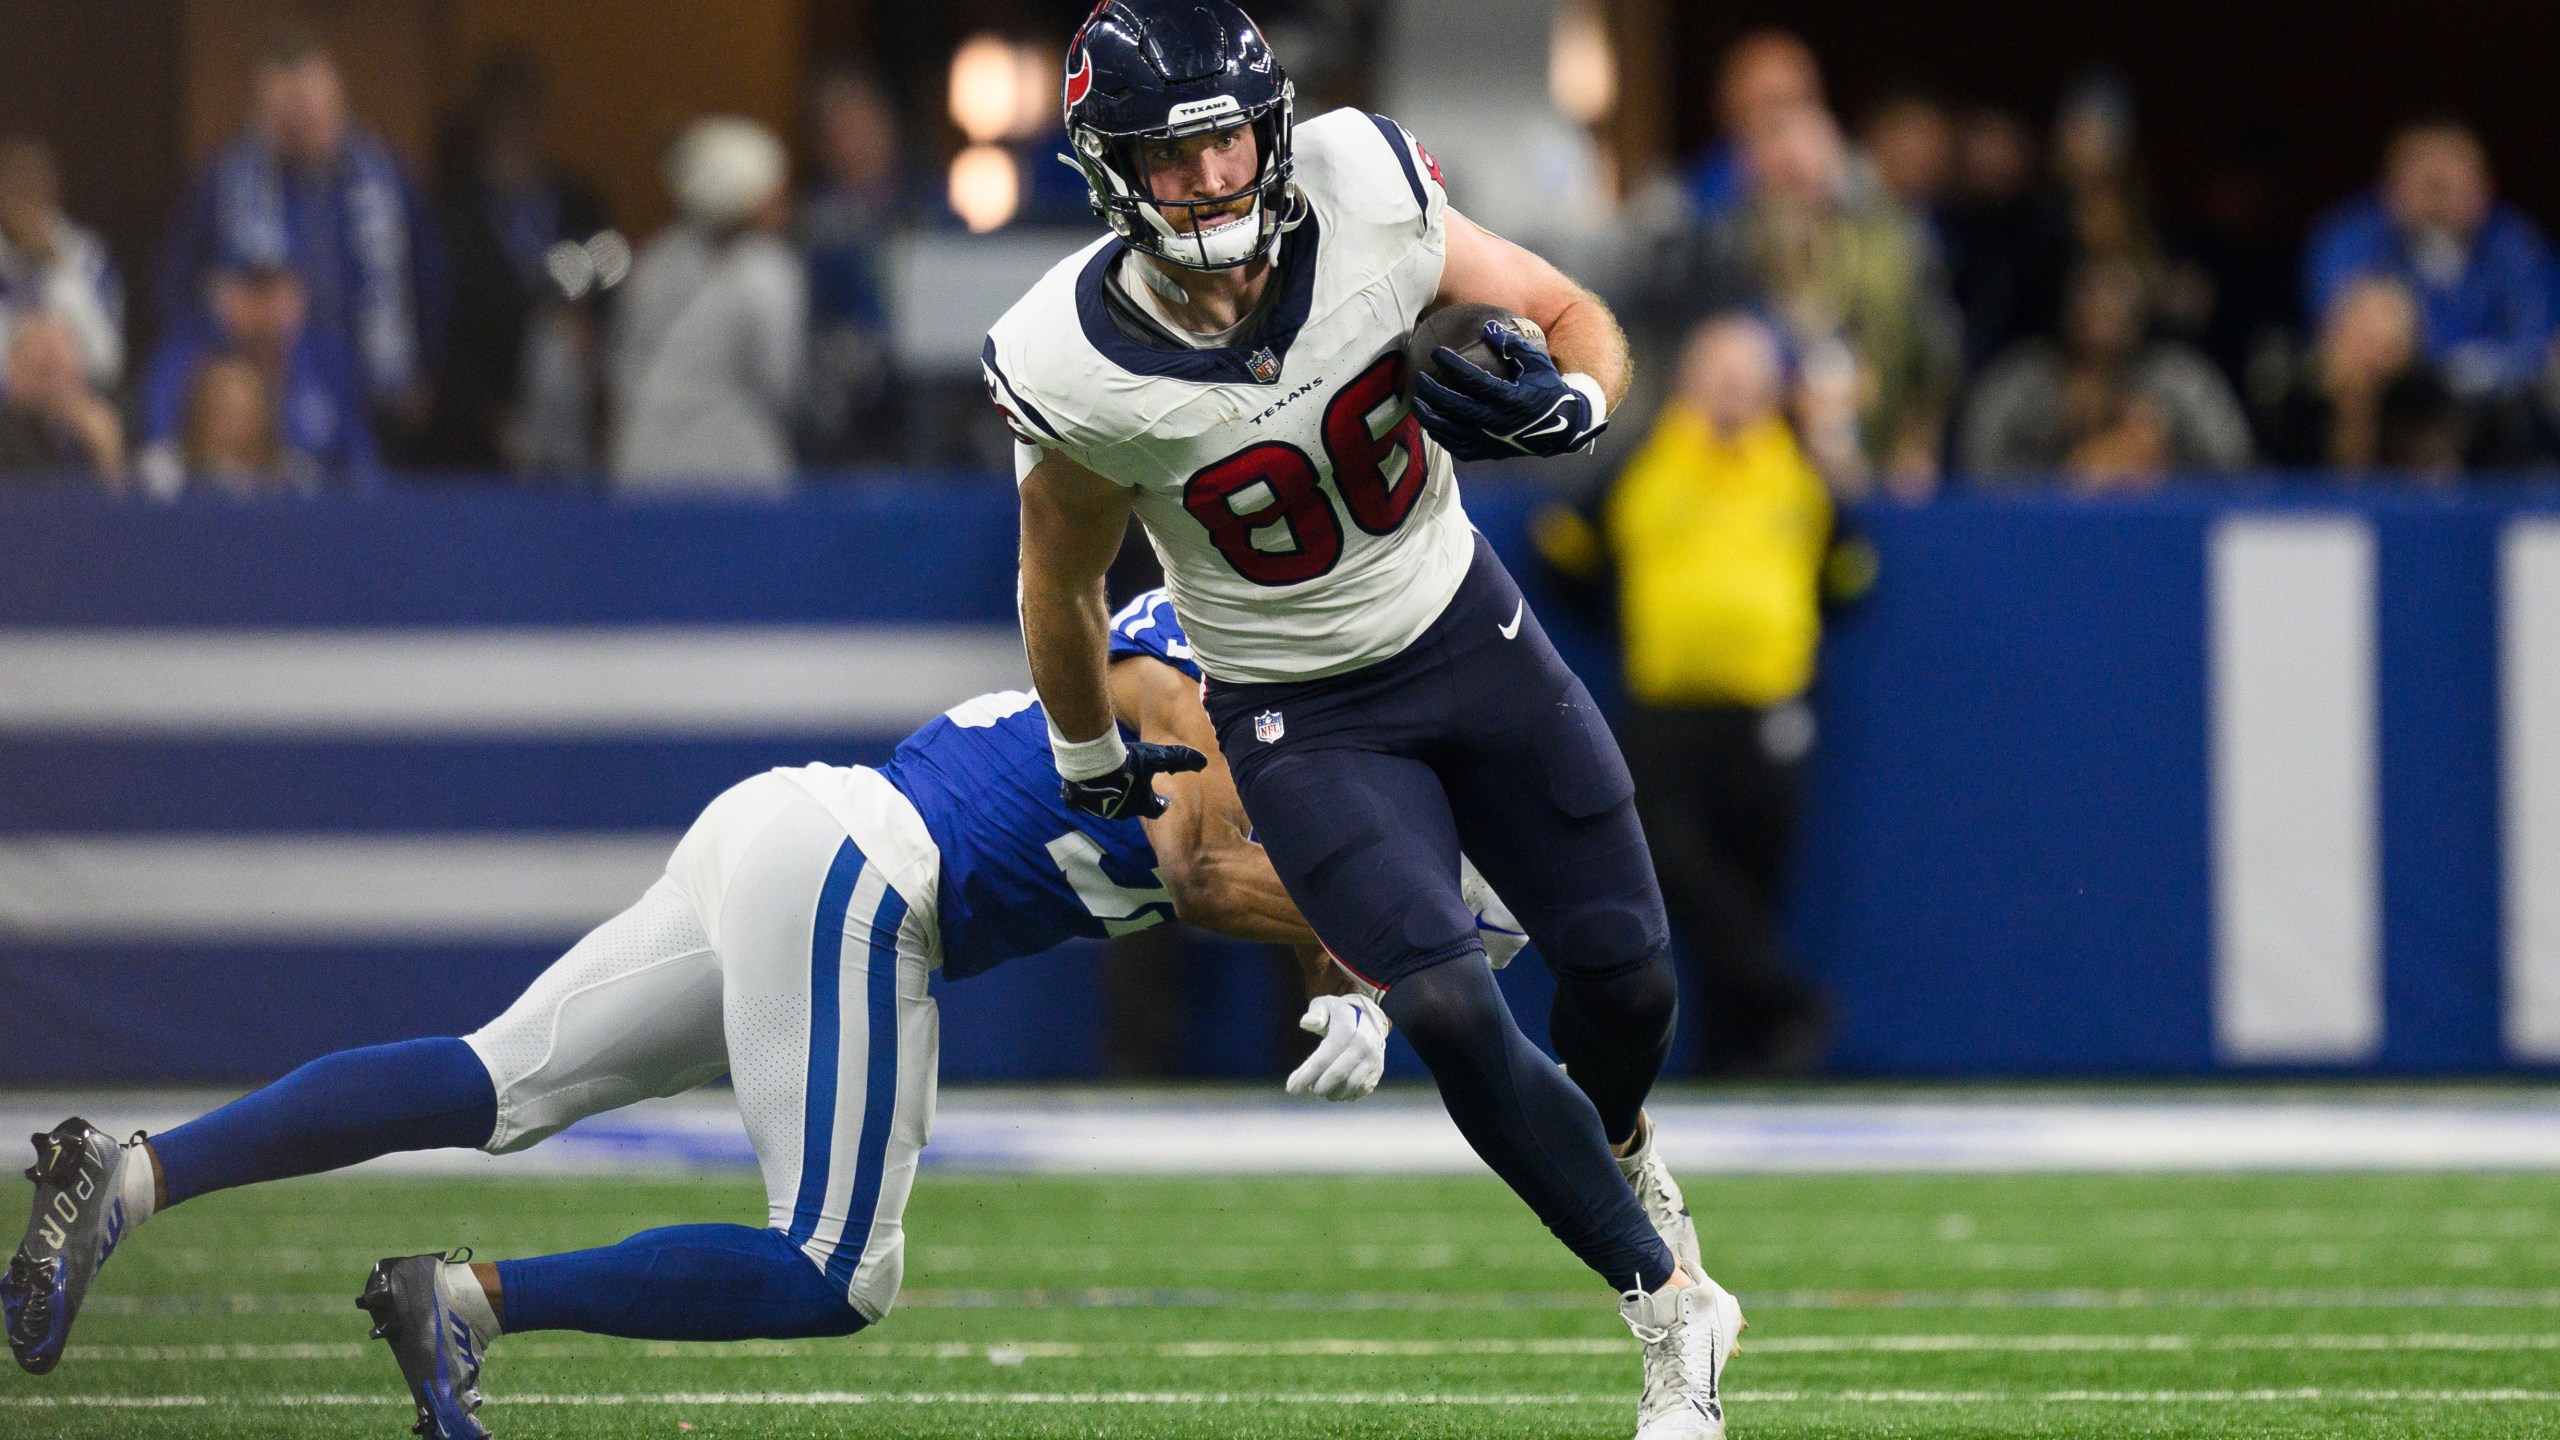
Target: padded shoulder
{"x": 1040, "y": 371}
{"x": 1370, "y": 168}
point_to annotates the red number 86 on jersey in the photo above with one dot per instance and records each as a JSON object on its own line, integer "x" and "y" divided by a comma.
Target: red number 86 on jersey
{"x": 1276, "y": 484}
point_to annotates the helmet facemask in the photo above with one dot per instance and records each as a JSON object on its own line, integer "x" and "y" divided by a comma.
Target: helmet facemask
{"x": 1119, "y": 184}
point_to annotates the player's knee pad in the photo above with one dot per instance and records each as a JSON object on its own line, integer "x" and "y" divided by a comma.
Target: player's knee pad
{"x": 1604, "y": 937}
{"x": 1450, "y": 1008}
{"x": 875, "y": 1286}
{"x": 1635, "y": 994}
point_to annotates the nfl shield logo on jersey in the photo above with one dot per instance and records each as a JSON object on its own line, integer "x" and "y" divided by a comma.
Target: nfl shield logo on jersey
{"x": 1264, "y": 365}
{"x": 1268, "y": 726}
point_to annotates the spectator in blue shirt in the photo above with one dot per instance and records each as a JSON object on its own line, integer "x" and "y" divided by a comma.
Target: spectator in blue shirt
{"x": 860, "y": 200}
{"x": 308, "y": 187}
{"x": 260, "y": 312}
{"x": 2480, "y": 270}
{"x": 1767, "y": 75}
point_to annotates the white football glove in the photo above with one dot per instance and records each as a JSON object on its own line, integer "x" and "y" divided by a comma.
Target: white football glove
{"x": 1502, "y": 935}
{"x": 1351, "y": 1057}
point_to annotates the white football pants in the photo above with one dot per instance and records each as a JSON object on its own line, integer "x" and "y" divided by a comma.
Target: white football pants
{"x": 789, "y": 944}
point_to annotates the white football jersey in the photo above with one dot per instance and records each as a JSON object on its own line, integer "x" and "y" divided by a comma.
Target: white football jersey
{"x": 1306, "y": 523}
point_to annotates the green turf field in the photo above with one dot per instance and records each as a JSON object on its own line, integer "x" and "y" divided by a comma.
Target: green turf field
{"x": 1974, "y": 1306}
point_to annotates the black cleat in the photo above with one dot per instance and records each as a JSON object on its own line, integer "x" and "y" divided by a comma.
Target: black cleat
{"x": 79, "y": 1216}
{"x": 438, "y": 1351}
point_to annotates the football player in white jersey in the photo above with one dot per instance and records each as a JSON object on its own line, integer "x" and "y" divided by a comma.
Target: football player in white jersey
{"x": 1228, "y": 365}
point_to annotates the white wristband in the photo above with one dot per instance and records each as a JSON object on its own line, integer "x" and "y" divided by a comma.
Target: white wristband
{"x": 1591, "y": 391}
{"x": 1087, "y": 759}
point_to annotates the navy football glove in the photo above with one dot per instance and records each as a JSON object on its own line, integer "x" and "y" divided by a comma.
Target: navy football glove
{"x": 1478, "y": 415}
{"x": 1129, "y": 793}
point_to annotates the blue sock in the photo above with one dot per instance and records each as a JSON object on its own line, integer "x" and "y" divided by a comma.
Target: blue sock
{"x": 685, "y": 1282}
{"x": 332, "y": 1113}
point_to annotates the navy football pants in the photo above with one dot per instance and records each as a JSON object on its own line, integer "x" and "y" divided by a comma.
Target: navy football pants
{"x": 1478, "y": 736}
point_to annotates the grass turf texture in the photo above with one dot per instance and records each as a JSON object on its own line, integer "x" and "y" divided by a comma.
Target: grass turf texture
{"x": 1880, "y": 1306}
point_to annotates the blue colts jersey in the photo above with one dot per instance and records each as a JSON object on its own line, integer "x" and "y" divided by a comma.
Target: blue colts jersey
{"x": 1021, "y": 871}
{"x": 1147, "y": 626}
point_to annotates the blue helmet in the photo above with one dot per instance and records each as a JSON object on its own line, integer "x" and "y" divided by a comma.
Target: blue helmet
{"x": 1155, "y": 70}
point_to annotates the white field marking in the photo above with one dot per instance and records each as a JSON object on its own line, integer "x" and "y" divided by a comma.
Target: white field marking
{"x": 2305, "y": 1394}
{"x": 191, "y": 1354}
{"x": 233, "y": 1303}
{"x": 817, "y": 1399}
{"x": 1140, "y": 1298}
{"x": 2288, "y": 1297}
{"x": 2130, "y": 1298}
{"x": 823, "y": 1399}
{"x": 1002, "y": 1352}
{"x": 946, "y": 1259}
{"x": 1881, "y": 1344}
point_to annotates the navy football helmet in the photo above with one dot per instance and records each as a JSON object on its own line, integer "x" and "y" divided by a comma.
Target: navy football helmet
{"x": 1155, "y": 70}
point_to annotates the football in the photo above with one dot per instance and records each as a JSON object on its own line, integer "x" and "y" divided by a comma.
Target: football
{"x": 1461, "y": 328}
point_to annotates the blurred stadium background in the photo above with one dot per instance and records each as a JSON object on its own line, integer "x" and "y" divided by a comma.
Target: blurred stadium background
{"x": 2175, "y": 383}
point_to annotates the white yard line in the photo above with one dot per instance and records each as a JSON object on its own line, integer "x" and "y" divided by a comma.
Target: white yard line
{"x": 1143, "y": 1298}
{"x": 2287, "y": 1297}
{"x": 1002, "y": 1352}
{"x": 824, "y": 1399}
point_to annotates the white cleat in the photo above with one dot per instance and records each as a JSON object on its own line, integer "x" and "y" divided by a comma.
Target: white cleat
{"x": 1660, "y": 1195}
{"x": 1688, "y": 1336}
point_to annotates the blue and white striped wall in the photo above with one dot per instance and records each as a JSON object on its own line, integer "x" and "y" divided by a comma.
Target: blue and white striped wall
{"x": 2300, "y": 961}
{"x": 280, "y": 779}
{"x": 2163, "y": 787}
{"x": 2195, "y": 784}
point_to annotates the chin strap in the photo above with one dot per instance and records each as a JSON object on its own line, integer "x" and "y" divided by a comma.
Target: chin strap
{"x": 1293, "y": 207}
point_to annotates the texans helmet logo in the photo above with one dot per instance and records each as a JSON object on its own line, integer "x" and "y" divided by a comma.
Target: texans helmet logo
{"x": 1080, "y": 79}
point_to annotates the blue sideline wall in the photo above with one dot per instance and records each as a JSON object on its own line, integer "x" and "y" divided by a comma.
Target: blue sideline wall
{"x": 2012, "y": 861}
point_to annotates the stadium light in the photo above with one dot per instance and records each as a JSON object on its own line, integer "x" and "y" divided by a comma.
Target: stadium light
{"x": 986, "y": 88}
{"x": 1582, "y": 67}
{"x": 1001, "y": 90}
{"x": 986, "y": 188}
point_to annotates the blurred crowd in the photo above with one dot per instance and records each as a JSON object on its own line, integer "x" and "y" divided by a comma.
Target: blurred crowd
{"x": 1955, "y": 299}
{"x": 326, "y": 316}
{"x": 1963, "y": 303}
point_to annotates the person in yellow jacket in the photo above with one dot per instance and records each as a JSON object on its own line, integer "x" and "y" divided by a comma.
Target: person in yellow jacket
{"x": 1719, "y": 530}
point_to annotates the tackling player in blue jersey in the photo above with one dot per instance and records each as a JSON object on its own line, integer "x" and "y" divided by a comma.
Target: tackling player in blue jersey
{"x": 788, "y": 944}
{"x": 1228, "y": 366}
